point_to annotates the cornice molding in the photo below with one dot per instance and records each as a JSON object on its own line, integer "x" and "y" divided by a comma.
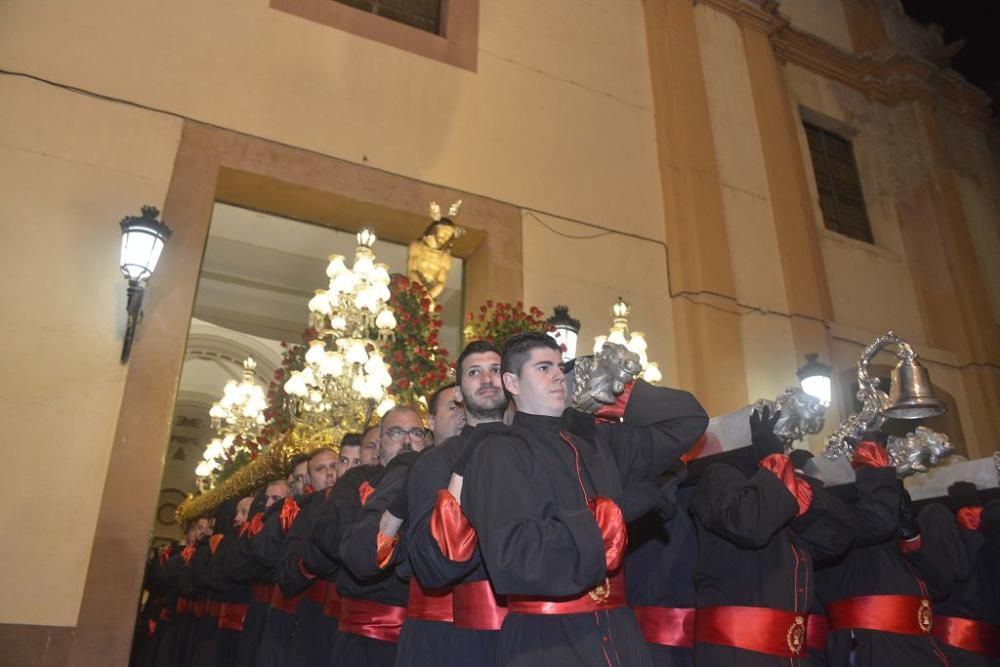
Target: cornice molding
{"x": 889, "y": 79}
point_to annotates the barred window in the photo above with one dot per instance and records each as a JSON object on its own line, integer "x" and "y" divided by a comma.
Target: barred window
{"x": 840, "y": 196}
{"x": 421, "y": 14}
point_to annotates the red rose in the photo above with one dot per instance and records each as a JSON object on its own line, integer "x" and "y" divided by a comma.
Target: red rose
{"x": 403, "y": 383}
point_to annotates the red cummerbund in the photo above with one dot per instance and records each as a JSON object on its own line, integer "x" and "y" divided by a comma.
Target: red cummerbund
{"x": 214, "y": 608}
{"x": 669, "y": 626}
{"x": 371, "y": 619}
{"x": 429, "y": 605}
{"x": 608, "y": 595}
{"x": 762, "y": 629}
{"x": 183, "y": 605}
{"x": 287, "y": 605}
{"x": 199, "y": 607}
{"x": 476, "y": 608}
{"x": 232, "y": 615}
{"x": 901, "y": 614}
{"x": 262, "y": 592}
{"x": 817, "y": 630}
{"x": 331, "y": 602}
{"x": 969, "y": 635}
{"x": 316, "y": 591}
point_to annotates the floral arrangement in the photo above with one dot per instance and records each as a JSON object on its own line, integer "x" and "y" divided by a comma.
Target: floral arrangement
{"x": 417, "y": 363}
{"x": 497, "y": 322}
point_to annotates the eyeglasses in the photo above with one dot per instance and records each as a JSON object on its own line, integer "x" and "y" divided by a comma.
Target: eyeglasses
{"x": 415, "y": 433}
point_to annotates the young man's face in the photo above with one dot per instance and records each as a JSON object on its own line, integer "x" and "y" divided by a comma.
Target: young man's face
{"x": 369, "y": 447}
{"x": 350, "y": 456}
{"x": 300, "y": 477}
{"x": 323, "y": 470}
{"x": 242, "y": 509}
{"x": 275, "y": 491}
{"x": 448, "y": 418}
{"x": 402, "y": 431}
{"x": 480, "y": 389}
{"x": 540, "y": 386}
{"x": 204, "y": 528}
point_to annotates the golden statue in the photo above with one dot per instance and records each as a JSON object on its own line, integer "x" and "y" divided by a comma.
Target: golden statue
{"x": 429, "y": 259}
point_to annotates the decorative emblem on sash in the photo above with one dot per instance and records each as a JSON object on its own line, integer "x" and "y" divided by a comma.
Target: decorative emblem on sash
{"x": 601, "y": 592}
{"x": 925, "y": 618}
{"x": 796, "y": 635}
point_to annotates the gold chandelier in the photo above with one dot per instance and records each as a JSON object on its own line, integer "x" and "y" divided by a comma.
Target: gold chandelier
{"x": 345, "y": 376}
{"x": 634, "y": 341}
{"x": 241, "y": 408}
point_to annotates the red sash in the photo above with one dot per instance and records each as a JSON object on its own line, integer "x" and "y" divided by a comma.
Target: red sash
{"x": 371, "y": 619}
{"x": 429, "y": 605}
{"x": 214, "y": 607}
{"x": 262, "y": 592}
{"x": 608, "y": 595}
{"x": 232, "y": 615}
{"x": 817, "y": 630}
{"x": 317, "y": 591}
{"x": 199, "y": 607}
{"x": 900, "y": 614}
{"x": 183, "y": 605}
{"x": 764, "y": 630}
{"x": 475, "y": 607}
{"x": 966, "y": 634}
{"x": 287, "y": 605}
{"x": 669, "y": 626}
{"x": 331, "y": 602}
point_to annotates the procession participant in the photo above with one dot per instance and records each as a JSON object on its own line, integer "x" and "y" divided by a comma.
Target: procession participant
{"x": 428, "y": 637}
{"x": 660, "y": 561}
{"x": 234, "y": 596}
{"x": 760, "y": 527}
{"x": 261, "y": 580}
{"x": 542, "y": 501}
{"x": 877, "y": 609}
{"x": 312, "y": 642}
{"x": 371, "y": 611}
{"x": 953, "y": 558}
{"x": 444, "y": 414}
{"x": 206, "y": 623}
{"x": 172, "y": 631}
{"x": 280, "y": 621}
{"x": 370, "y": 446}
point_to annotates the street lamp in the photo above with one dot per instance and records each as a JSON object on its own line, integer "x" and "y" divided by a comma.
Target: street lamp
{"x": 566, "y": 330}
{"x": 815, "y": 378}
{"x": 142, "y": 242}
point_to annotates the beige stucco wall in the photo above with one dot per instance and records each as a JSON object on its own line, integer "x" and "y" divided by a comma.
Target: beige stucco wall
{"x": 823, "y": 18}
{"x": 71, "y": 166}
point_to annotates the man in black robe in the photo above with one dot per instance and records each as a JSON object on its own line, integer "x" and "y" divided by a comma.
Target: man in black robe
{"x": 877, "y": 608}
{"x": 761, "y": 525}
{"x": 206, "y": 623}
{"x": 372, "y": 609}
{"x": 233, "y": 595}
{"x": 435, "y": 631}
{"x": 543, "y": 497}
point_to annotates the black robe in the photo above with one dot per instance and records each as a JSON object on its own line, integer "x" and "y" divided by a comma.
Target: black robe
{"x": 754, "y": 551}
{"x": 279, "y": 625}
{"x": 875, "y": 566}
{"x": 526, "y": 492}
{"x": 227, "y": 589}
{"x": 661, "y": 560}
{"x": 956, "y": 566}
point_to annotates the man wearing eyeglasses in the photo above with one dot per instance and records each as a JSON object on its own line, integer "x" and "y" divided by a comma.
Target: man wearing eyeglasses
{"x": 373, "y": 600}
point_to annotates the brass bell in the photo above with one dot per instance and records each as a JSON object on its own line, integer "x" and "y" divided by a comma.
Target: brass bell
{"x": 911, "y": 395}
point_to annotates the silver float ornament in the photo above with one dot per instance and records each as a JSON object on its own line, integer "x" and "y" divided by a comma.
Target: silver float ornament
{"x": 801, "y": 414}
{"x": 597, "y": 380}
{"x": 911, "y": 397}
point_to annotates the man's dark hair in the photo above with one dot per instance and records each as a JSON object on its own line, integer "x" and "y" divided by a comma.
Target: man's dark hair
{"x": 297, "y": 459}
{"x": 350, "y": 440}
{"x": 475, "y": 347}
{"x": 432, "y": 404}
{"x": 519, "y": 347}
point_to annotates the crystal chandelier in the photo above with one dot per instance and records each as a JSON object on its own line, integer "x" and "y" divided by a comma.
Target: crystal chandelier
{"x": 345, "y": 376}
{"x": 636, "y": 341}
{"x": 241, "y": 409}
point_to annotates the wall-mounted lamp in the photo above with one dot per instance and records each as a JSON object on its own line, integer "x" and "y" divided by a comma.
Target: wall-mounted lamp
{"x": 568, "y": 329}
{"x": 815, "y": 378}
{"x": 142, "y": 242}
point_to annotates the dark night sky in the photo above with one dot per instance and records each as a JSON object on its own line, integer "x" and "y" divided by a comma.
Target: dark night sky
{"x": 978, "y": 23}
